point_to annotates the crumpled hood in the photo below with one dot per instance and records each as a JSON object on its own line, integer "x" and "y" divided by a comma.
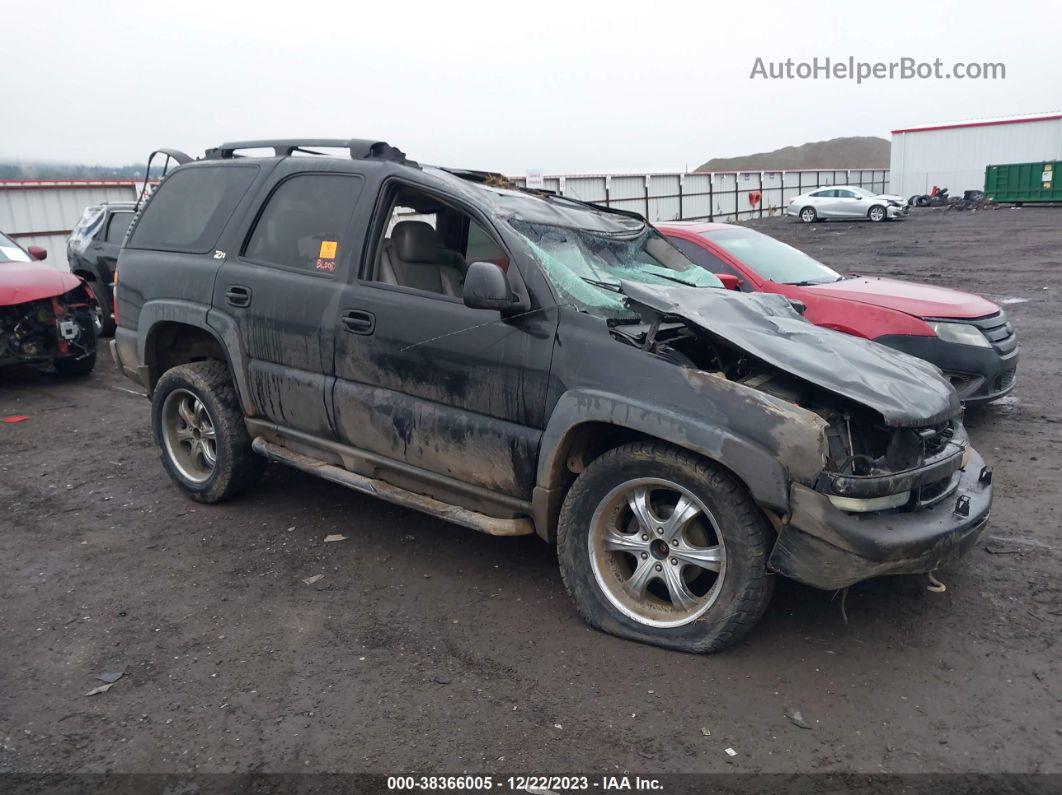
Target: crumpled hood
{"x": 906, "y": 391}
{"x": 21, "y": 282}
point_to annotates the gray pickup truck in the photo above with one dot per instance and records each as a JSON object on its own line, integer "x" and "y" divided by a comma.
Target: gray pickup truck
{"x": 518, "y": 362}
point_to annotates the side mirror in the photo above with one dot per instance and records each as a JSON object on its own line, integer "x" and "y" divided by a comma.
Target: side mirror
{"x": 487, "y": 288}
{"x": 730, "y": 281}
{"x": 37, "y": 252}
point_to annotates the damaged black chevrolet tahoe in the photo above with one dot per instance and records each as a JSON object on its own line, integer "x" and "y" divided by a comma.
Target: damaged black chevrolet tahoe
{"x": 520, "y": 362}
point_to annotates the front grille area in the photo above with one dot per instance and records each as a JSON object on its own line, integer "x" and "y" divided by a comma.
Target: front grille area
{"x": 932, "y": 493}
{"x": 936, "y": 439}
{"x": 999, "y": 332}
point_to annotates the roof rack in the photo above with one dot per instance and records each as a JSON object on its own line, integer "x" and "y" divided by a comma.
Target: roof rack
{"x": 283, "y": 147}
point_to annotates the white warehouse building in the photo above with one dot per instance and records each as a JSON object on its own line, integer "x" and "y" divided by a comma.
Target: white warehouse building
{"x": 954, "y": 155}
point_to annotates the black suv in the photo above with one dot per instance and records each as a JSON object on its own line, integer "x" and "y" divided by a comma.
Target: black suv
{"x": 92, "y": 252}
{"x": 520, "y": 362}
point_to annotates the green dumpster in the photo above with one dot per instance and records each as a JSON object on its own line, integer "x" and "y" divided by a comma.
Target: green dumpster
{"x": 1025, "y": 182}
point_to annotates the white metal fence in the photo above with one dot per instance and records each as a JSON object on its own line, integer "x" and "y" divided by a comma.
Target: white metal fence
{"x": 43, "y": 212}
{"x": 707, "y": 196}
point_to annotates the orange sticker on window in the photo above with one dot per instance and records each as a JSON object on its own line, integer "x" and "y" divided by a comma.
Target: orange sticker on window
{"x": 328, "y": 249}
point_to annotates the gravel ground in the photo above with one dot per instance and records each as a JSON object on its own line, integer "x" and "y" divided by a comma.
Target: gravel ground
{"x": 428, "y": 647}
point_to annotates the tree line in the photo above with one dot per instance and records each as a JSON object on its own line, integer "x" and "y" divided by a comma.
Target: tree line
{"x": 9, "y": 170}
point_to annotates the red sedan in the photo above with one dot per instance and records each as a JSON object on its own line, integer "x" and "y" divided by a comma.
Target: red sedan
{"x": 965, "y": 335}
{"x": 47, "y": 316}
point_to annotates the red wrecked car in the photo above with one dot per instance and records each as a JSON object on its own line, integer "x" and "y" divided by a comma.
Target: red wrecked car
{"x": 46, "y": 315}
{"x": 963, "y": 334}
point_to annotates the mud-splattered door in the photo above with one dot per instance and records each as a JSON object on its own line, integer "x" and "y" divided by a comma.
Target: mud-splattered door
{"x": 456, "y": 391}
{"x": 282, "y": 291}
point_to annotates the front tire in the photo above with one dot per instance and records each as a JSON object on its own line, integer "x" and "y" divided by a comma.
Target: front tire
{"x": 660, "y": 546}
{"x": 71, "y": 367}
{"x": 877, "y": 213}
{"x": 198, "y": 425}
{"x": 808, "y": 215}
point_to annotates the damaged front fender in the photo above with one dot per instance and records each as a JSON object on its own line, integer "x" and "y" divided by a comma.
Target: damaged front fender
{"x": 763, "y": 470}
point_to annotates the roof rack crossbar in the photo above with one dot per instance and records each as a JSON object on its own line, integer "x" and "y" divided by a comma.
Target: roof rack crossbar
{"x": 283, "y": 147}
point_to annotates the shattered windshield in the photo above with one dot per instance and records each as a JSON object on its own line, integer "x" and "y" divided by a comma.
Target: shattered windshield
{"x": 586, "y": 267}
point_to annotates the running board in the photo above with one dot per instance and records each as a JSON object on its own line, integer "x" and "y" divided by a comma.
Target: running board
{"x": 490, "y": 525}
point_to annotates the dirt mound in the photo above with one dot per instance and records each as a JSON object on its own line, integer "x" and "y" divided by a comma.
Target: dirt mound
{"x": 851, "y": 152}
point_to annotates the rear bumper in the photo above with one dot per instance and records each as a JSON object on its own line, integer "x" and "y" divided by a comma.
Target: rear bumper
{"x": 979, "y": 375}
{"x": 825, "y": 547}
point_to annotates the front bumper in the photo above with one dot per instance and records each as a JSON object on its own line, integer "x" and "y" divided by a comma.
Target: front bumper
{"x": 826, "y": 547}
{"x": 979, "y": 375}
{"x": 897, "y": 212}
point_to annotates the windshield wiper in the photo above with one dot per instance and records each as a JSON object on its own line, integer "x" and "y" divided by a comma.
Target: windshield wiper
{"x": 611, "y": 286}
{"x": 813, "y": 282}
{"x": 683, "y": 282}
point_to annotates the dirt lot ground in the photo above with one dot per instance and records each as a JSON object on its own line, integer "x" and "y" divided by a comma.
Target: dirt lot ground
{"x": 428, "y": 647}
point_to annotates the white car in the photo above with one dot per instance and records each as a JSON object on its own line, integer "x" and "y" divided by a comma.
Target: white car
{"x": 846, "y": 201}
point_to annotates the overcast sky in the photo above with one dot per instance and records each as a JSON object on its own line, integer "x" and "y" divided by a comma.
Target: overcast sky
{"x": 569, "y": 86}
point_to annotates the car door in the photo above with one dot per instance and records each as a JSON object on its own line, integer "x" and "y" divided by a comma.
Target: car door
{"x": 825, "y": 202}
{"x": 281, "y": 289}
{"x": 448, "y": 392}
{"x": 848, "y": 204}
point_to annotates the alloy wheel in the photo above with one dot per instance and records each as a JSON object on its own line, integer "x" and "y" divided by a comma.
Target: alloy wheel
{"x": 656, "y": 552}
{"x": 189, "y": 435}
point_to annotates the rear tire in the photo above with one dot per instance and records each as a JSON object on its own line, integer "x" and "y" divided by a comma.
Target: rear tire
{"x": 106, "y": 325}
{"x": 687, "y": 571}
{"x": 199, "y": 429}
{"x": 808, "y": 215}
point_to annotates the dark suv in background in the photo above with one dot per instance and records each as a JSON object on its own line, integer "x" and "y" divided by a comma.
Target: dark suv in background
{"x": 92, "y": 252}
{"x": 520, "y": 362}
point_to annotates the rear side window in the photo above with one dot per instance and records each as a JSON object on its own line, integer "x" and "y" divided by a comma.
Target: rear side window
{"x": 117, "y": 227}
{"x": 304, "y": 222}
{"x": 190, "y": 208}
